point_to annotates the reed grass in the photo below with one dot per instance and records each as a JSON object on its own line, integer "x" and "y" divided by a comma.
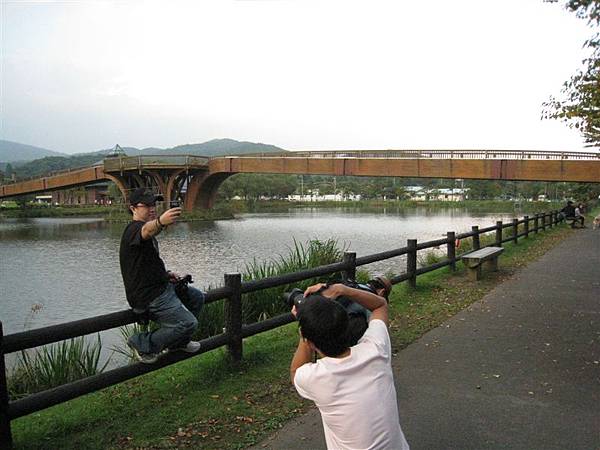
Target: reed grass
{"x": 50, "y": 366}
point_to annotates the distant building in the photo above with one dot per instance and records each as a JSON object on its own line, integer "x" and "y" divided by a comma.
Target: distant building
{"x": 43, "y": 199}
{"x": 92, "y": 194}
{"x": 420, "y": 193}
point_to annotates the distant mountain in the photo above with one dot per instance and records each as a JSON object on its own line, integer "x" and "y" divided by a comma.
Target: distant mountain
{"x": 11, "y": 152}
{"x": 215, "y": 147}
{"x": 222, "y": 147}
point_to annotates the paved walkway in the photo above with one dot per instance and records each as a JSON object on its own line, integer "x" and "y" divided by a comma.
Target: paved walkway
{"x": 519, "y": 369}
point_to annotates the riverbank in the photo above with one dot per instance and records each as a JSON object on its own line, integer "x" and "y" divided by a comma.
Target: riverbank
{"x": 108, "y": 213}
{"x": 205, "y": 402}
{"x": 228, "y": 209}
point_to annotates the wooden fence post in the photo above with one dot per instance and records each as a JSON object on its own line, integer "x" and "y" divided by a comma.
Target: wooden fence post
{"x": 543, "y": 221}
{"x": 537, "y": 223}
{"x": 411, "y": 262}
{"x": 5, "y": 433}
{"x": 233, "y": 315}
{"x": 476, "y": 243}
{"x": 451, "y": 249}
{"x": 515, "y": 231}
{"x": 499, "y": 233}
{"x": 526, "y": 218}
{"x": 350, "y": 272}
{"x": 551, "y": 221}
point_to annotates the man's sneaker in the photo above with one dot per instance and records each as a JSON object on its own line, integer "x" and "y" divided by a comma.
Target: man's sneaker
{"x": 190, "y": 347}
{"x": 146, "y": 358}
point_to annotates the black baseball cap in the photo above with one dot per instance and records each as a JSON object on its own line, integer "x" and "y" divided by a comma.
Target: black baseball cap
{"x": 143, "y": 195}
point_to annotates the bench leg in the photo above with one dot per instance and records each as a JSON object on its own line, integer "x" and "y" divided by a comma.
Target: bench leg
{"x": 474, "y": 273}
{"x": 491, "y": 264}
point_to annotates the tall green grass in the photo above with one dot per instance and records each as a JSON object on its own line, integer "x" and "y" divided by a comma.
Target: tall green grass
{"x": 53, "y": 365}
{"x": 268, "y": 303}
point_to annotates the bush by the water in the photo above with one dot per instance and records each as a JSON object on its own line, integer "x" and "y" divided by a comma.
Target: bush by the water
{"x": 40, "y": 369}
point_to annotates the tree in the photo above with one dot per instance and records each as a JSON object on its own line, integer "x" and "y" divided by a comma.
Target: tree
{"x": 580, "y": 107}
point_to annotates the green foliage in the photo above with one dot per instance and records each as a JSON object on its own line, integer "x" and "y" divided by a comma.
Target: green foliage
{"x": 580, "y": 106}
{"x": 268, "y": 303}
{"x": 51, "y": 366}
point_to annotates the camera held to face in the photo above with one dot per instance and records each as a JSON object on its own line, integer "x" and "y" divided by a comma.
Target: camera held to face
{"x": 174, "y": 204}
{"x": 296, "y": 296}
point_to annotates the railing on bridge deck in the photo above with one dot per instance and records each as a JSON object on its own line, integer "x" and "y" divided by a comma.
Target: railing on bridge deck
{"x": 153, "y": 161}
{"x": 432, "y": 154}
{"x": 234, "y": 331}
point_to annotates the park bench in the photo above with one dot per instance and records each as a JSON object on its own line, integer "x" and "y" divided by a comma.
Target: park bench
{"x": 573, "y": 221}
{"x": 476, "y": 259}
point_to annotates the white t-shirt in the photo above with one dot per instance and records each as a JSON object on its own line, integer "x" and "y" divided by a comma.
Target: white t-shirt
{"x": 356, "y": 394}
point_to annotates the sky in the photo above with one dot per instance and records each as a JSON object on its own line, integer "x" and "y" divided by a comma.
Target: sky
{"x": 80, "y": 76}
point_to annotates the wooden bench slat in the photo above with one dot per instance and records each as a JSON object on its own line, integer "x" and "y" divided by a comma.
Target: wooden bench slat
{"x": 483, "y": 253}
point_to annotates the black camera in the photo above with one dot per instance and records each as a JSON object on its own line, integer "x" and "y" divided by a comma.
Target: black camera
{"x": 174, "y": 204}
{"x": 358, "y": 315}
{"x": 296, "y": 296}
{"x": 181, "y": 288}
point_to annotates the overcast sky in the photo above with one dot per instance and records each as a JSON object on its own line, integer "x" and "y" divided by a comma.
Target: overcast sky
{"x": 301, "y": 74}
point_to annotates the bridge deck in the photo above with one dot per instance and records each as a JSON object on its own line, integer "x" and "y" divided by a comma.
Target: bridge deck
{"x": 451, "y": 164}
{"x": 517, "y": 370}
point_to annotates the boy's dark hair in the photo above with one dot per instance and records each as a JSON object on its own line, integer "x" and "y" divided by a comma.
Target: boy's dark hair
{"x": 324, "y": 322}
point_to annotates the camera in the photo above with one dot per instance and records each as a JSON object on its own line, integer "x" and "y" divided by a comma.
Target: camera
{"x": 181, "y": 288}
{"x": 358, "y": 315}
{"x": 174, "y": 204}
{"x": 296, "y": 296}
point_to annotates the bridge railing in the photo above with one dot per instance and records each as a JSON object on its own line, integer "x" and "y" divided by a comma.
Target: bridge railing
{"x": 145, "y": 161}
{"x": 234, "y": 330}
{"x": 432, "y": 154}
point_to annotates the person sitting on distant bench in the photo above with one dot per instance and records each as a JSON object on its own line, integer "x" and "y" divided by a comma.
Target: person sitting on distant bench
{"x": 579, "y": 214}
{"x": 569, "y": 213}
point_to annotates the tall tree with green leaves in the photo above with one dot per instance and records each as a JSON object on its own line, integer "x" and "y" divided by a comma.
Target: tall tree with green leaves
{"x": 580, "y": 106}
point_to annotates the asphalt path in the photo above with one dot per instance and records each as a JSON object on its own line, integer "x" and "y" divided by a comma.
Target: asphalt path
{"x": 519, "y": 369}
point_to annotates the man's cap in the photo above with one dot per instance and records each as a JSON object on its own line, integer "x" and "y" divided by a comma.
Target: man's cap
{"x": 569, "y": 202}
{"x": 143, "y": 195}
{"x": 381, "y": 282}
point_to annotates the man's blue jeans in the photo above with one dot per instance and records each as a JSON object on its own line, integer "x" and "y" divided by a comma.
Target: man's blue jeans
{"x": 177, "y": 321}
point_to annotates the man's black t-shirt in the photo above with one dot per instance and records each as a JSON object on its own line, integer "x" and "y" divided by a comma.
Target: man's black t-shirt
{"x": 569, "y": 211}
{"x": 144, "y": 273}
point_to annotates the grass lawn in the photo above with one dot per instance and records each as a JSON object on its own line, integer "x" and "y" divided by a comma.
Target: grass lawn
{"x": 206, "y": 402}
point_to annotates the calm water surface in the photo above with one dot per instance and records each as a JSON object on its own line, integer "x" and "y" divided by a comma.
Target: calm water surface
{"x": 69, "y": 268}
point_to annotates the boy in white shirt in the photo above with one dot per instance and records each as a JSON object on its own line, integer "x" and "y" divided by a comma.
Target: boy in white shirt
{"x": 353, "y": 387}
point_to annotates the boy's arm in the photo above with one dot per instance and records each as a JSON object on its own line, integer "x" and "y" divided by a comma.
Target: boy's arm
{"x": 302, "y": 356}
{"x": 373, "y": 302}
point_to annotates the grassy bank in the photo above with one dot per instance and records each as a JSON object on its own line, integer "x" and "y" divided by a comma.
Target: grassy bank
{"x": 109, "y": 213}
{"x": 205, "y": 402}
{"x": 227, "y": 209}
{"x": 240, "y": 206}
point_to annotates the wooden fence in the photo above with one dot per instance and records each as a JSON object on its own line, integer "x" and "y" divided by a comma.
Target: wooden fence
{"x": 235, "y": 331}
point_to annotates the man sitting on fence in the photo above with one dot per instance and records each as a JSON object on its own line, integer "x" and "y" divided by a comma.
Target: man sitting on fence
{"x": 150, "y": 287}
{"x": 353, "y": 387}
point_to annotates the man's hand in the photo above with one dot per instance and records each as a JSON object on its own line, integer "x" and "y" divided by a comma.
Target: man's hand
{"x": 170, "y": 216}
{"x": 333, "y": 291}
{"x": 173, "y": 276}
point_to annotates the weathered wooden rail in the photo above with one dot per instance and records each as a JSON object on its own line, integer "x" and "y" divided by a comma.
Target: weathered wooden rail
{"x": 235, "y": 330}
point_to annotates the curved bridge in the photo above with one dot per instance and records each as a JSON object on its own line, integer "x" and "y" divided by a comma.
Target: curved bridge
{"x": 196, "y": 179}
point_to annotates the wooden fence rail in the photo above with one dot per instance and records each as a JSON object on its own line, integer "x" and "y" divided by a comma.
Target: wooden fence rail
{"x": 235, "y": 330}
